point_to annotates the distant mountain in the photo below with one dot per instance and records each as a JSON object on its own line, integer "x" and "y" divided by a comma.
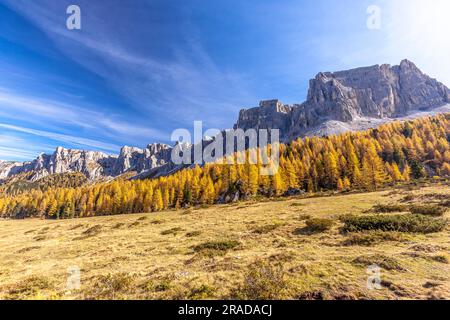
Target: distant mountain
{"x": 350, "y": 100}
{"x": 347, "y": 100}
{"x": 94, "y": 165}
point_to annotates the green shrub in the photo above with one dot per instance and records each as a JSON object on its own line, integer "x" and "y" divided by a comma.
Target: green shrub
{"x": 380, "y": 260}
{"x": 388, "y": 208}
{"x": 441, "y": 258}
{"x": 429, "y": 210}
{"x": 164, "y": 285}
{"x": 266, "y": 229}
{"x": 111, "y": 286}
{"x": 157, "y": 221}
{"x": 297, "y": 204}
{"x": 263, "y": 281}
{"x": 319, "y": 224}
{"x": 303, "y": 217}
{"x": 193, "y": 234}
{"x": 173, "y": 231}
{"x": 28, "y": 288}
{"x": 201, "y": 293}
{"x": 401, "y": 223}
{"x": 217, "y": 245}
{"x": 370, "y": 238}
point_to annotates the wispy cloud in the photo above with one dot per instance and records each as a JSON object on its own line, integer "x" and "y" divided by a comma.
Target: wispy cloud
{"x": 63, "y": 138}
{"x": 187, "y": 87}
{"x": 49, "y": 112}
{"x": 16, "y": 148}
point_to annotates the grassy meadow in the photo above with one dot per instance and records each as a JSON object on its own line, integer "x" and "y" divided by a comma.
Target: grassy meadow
{"x": 291, "y": 248}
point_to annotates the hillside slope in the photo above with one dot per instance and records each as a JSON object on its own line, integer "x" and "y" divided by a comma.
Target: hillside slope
{"x": 165, "y": 255}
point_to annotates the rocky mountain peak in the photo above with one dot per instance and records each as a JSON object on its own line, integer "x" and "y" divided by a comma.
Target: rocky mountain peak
{"x": 156, "y": 148}
{"x": 346, "y": 97}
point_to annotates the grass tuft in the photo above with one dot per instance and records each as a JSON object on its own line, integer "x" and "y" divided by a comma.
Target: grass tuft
{"x": 201, "y": 293}
{"x": 111, "y": 286}
{"x": 173, "y": 231}
{"x": 382, "y": 261}
{"x": 267, "y": 228}
{"x": 263, "y": 281}
{"x": 28, "y": 288}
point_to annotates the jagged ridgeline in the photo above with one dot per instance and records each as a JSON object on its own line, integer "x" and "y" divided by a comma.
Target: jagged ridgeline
{"x": 22, "y": 183}
{"x": 394, "y": 152}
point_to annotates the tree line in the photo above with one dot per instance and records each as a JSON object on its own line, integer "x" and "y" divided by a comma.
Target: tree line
{"x": 394, "y": 152}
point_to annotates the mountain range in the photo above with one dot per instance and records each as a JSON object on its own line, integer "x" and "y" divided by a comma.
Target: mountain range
{"x": 349, "y": 100}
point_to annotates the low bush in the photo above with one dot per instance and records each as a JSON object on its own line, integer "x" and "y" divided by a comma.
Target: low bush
{"x": 263, "y": 281}
{"x": 319, "y": 224}
{"x": 28, "y": 288}
{"x": 388, "y": 208}
{"x": 173, "y": 231}
{"x": 118, "y": 225}
{"x": 111, "y": 286}
{"x": 201, "y": 293}
{"x": 445, "y": 204}
{"x": 408, "y": 198}
{"x": 164, "y": 285}
{"x": 217, "y": 245}
{"x": 384, "y": 262}
{"x": 303, "y": 217}
{"x": 402, "y": 223}
{"x": 193, "y": 234}
{"x": 297, "y": 204}
{"x": 157, "y": 221}
{"x": 92, "y": 231}
{"x": 267, "y": 228}
{"x": 429, "y": 210}
{"x": 370, "y": 238}
{"x": 442, "y": 258}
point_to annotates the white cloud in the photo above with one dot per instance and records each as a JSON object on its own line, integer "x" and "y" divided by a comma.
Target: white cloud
{"x": 16, "y": 148}
{"x": 63, "y": 138}
{"x": 48, "y": 112}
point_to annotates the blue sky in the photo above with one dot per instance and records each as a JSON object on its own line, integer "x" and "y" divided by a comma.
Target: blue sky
{"x": 139, "y": 69}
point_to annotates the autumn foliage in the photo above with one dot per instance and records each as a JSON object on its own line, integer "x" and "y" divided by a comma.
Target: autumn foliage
{"x": 394, "y": 152}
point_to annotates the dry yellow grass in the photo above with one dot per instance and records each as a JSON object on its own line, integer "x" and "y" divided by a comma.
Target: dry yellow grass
{"x": 164, "y": 256}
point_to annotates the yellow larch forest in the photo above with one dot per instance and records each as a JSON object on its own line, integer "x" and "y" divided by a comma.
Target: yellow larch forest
{"x": 394, "y": 152}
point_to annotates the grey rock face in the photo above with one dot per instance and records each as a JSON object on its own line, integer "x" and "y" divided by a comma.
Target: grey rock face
{"x": 94, "y": 165}
{"x": 6, "y": 167}
{"x": 376, "y": 92}
{"x": 90, "y": 163}
{"x": 269, "y": 114}
{"x": 140, "y": 160}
